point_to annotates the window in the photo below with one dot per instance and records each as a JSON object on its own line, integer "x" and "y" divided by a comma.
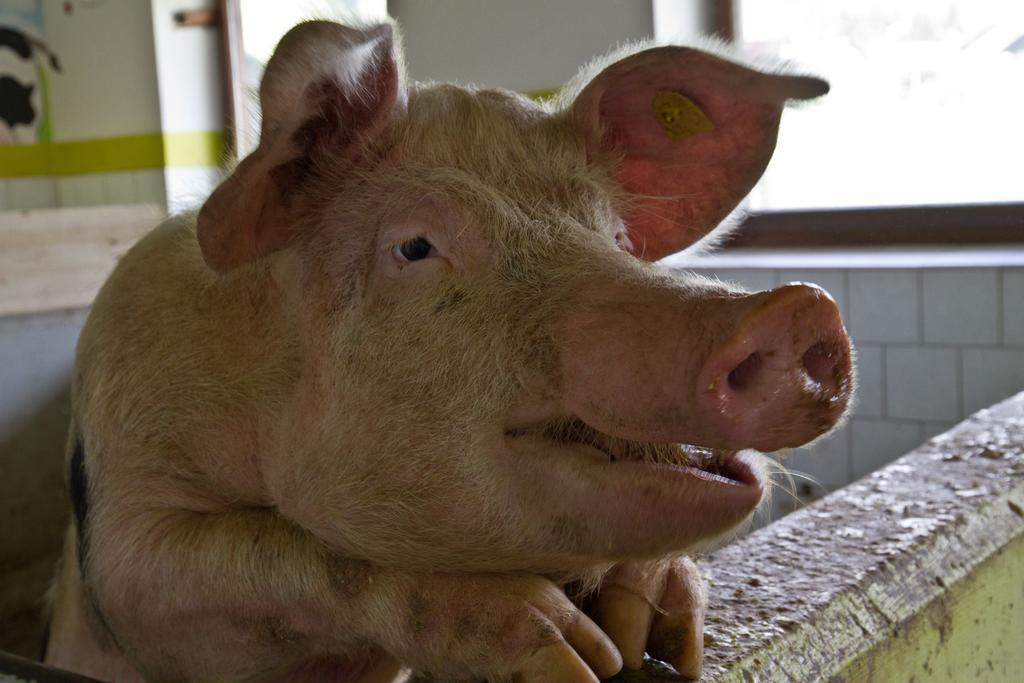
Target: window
{"x": 925, "y": 111}
{"x": 253, "y": 29}
{"x": 926, "y": 104}
{"x": 918, "y": 142}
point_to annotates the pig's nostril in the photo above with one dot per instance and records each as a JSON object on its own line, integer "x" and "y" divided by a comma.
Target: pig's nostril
{"x": 743, "y": 375}
{"x": 820, "y": 362}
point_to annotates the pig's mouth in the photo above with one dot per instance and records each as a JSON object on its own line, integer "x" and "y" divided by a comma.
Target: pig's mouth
{"x": 711, "y": 464}
{"x": 716, "y": 465}
{"x": 632, "y": 497}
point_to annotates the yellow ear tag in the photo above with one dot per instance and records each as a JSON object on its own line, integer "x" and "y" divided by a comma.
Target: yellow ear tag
{"x": 679, "y": 116}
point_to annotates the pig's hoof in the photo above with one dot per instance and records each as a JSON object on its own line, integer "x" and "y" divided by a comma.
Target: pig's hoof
{"x": 655, "y": 607}
{"x": 515, "y": 628}
{"x": 557, "y": 663}
{"x": 585, "y": 655}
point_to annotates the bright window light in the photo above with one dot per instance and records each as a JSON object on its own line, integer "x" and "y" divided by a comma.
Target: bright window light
{"x": 263, "y": 25}
{"x": 927, "y": 102}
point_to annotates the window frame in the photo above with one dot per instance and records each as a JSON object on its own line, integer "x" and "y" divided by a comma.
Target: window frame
{"x": 225, "y": 18}
{"x": 912, "y": 225}
{"x": 915, "y": 225}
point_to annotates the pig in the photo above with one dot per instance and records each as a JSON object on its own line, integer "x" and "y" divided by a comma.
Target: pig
{"x": 410, "y": 393}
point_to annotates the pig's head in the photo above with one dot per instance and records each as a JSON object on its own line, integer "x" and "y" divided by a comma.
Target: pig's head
{"x": 495, "y": 375}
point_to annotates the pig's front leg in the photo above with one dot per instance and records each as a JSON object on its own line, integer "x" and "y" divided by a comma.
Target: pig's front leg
{"x": 245, "y": 593}
{"x": 656, "y": 607}
{"x": 491, "y": 627}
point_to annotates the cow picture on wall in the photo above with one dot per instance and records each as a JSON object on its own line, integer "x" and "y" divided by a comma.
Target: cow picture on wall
{"x": 25, "y": 63}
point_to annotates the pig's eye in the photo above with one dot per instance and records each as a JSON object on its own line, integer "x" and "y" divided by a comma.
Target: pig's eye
{"x": 415, "y": 249}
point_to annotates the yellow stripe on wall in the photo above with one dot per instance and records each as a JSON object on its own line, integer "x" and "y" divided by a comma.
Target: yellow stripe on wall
{"x": 194, "y": 149}
{"x": 104, "y": 155}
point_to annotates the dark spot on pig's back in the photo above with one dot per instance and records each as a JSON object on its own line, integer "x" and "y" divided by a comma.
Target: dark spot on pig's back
{"x": 45, "y": 640}
{"x": 450, "y": 300}
{"x": 348, "y": 577}
{"x": 78, "y": 492}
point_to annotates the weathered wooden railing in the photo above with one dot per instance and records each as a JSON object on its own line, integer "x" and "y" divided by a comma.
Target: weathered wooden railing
{"x": 52, "y": 259}
{"x": 916, "y": 572}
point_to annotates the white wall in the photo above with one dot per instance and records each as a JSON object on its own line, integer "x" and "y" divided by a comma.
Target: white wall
{"x": 933, "y": 346}
{"x": 36, "y": 356}
{"x": 188, "y": 70}
{"x": 523, "y": 45}
{"x": 127, "y": 70}
{"x": 107, "y": 87}
{"x": 189, "y": 78}
{"x": 680, "y": 20}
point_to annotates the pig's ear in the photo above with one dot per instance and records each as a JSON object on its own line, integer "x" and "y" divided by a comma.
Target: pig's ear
{"x": 326, "y": 93}
{"x": 690, "y": 133}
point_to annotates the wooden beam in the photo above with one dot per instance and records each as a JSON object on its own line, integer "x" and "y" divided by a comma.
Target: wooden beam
{"x": 197, "y": 17}
{"x": 912, "y": 573}
{"x": 232, "y": 56}
{"x": 724, "y": 19}
{"x": 52, "y": 259}
{"x": 884, "y": 226}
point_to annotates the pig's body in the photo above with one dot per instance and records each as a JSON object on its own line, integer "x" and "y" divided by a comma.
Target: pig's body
{"x": 405, "y": 379}
{"x": 128, "y": 403}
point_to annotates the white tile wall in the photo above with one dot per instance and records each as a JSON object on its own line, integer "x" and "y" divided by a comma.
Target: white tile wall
{"x": 119, "y": 187}
{"x": 922, "y": 382}
{"x": 884, "y": 305}
{"x": 187, "y": 187}
{"x": 150, "y": 186}
{"x": 935, "y": 428}
{"x": 80, "y": 190}
{"x": 1013, "y": 307}
{"x": 827, "y": 463}
{"x": 870, "y": 380}
{"x": 933, "y": 346}
{"x": 960, "y": 306}
{"x": 875, "y": 443}
{"x": 991, "y": 375}
{"x": 37, "y": 192}
{"x": 94, "y": 189}
{"x": 38, "y": 352}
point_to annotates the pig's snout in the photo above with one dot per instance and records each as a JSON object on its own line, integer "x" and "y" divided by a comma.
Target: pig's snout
{"x": 784, "y": 377}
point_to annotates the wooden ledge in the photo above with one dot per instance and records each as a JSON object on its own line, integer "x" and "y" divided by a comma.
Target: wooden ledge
{"x": 912, "y": 573}
{"x": 52, "y": 259}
